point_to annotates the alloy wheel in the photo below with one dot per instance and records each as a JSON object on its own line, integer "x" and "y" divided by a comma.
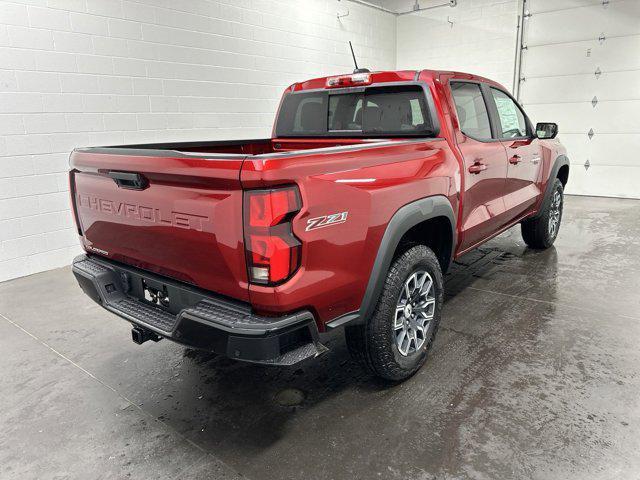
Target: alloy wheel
{"x": 554, "y": 213}
{"x": 414, "y": 312}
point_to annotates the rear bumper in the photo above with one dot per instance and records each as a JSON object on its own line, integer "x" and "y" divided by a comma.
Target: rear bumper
{"x": 196, "y": 318}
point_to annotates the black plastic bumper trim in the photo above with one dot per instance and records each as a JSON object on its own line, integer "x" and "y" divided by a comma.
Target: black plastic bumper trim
{"x": 198, "y": 318}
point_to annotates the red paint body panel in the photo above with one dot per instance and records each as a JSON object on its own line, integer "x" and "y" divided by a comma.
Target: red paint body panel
{"x": 187, "y": 224}
{"x": 179, "y": 226}
{"x": 371, "y": 184}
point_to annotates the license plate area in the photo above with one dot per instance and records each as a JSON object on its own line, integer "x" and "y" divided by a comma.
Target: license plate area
{"x": 156, "y": 293}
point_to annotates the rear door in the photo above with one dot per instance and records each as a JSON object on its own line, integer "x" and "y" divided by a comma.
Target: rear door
{"x": 523, "y": 152}
{"x": 171, "y": 213}
{"x": 485, "y": 164}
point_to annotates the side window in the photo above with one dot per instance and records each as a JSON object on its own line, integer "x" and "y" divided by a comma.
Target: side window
{"x": 416, "y": 111}
{"x": 513, "y": 123}
{"x": 471, "y": 109}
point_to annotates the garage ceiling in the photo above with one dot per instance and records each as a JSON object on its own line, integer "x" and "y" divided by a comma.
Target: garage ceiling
{"x": 581, "y": 69}
{"x": 393, "y": 5}
{"x": 403, "y": 6}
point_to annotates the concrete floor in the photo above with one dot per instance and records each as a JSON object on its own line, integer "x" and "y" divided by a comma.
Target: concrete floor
{"x": 534, "y": 374}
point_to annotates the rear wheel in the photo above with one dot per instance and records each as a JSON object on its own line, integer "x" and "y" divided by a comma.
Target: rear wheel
{"x": 541, "y": 232}
{"x": 395, "y": 341}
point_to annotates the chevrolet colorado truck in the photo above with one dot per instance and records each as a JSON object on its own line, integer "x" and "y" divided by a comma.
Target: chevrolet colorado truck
{"x": 371, "y": 184}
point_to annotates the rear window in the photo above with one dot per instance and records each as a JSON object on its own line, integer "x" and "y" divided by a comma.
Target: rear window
{"x": 374, "y": 111}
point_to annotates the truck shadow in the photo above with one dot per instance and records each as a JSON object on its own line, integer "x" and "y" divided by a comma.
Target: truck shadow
{"x": 241, "y": 409}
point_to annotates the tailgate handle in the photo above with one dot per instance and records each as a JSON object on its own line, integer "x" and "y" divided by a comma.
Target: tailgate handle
{"x": 132, "y": 181}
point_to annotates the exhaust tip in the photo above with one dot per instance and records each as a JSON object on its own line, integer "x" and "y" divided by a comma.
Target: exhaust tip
{"x": 140, "y": 335}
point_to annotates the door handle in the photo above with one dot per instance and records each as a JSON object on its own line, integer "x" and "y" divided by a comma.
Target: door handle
{"x": 477, "y": 168}
{"x": 129, "y": 180}
{"x": 515, "y": 160}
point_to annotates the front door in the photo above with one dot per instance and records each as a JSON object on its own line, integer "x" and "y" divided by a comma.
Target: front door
{"x": 523, "y": 153}
{"x": 485, "y": 166}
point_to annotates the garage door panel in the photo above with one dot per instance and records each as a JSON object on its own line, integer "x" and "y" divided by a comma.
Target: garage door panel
{"x": 602, "y": 150}
{"x": 561, "y": 115}
{"x": 605, "y": 181}
{"x": 607, "y": 117}
{"x": 581, "y": 88}
{"x": 563, "y": 53}
{"x": 614, "y": 54}
{"x": 560, "y": 59}
{"x": 583, "y": 23}
{"x": 578, "y": 147}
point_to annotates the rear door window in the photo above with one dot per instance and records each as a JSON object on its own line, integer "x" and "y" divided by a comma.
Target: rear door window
{"x": 472, "y": 110}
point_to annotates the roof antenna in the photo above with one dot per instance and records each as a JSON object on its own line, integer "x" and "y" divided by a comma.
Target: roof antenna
{"x": 357, "y": 70}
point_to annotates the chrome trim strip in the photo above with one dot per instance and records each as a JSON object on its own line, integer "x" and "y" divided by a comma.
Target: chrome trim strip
{"x": 140, "y": 152}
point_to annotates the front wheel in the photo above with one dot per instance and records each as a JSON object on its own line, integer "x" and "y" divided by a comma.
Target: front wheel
{"x": 541, "y": 232}
{"x": 394, "y": 343}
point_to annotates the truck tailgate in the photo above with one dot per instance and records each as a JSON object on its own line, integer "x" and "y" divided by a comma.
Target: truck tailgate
{"x": 174, "y": 214}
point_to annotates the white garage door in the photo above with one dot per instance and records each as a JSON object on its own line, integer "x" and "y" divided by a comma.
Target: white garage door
{"x": 581, "y": 69}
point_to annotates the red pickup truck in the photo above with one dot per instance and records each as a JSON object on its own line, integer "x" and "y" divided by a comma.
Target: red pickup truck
{"x": 371, "y": 184}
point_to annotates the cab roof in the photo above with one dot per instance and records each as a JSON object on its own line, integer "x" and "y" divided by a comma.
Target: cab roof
{"x": 389, "y": 76}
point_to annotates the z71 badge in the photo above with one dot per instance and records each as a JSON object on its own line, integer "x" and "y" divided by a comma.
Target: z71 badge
{"x": 326, "y": 220}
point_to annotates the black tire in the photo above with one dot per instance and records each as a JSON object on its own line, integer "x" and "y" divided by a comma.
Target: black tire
{"x": 373, "y": 344}
{"x": 539, "y": 232}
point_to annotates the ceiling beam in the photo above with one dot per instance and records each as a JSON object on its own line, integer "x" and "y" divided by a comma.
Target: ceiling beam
{"x": 416, "y": 8}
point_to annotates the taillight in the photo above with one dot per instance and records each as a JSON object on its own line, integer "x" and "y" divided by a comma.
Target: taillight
{"x": 348, "y": 80}
{"x": 272, "y": 251}
{"x": 74, "y": 207}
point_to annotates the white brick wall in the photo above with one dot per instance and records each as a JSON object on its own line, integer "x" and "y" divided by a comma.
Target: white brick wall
{"x": 482, "y": 39}
{"x": 97, "y": 72}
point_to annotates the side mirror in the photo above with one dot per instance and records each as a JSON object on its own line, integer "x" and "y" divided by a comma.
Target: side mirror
{"x": 546, "y": 130}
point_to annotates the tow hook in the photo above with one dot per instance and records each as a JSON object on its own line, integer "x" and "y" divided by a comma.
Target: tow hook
{"x": 140, "y": 335}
